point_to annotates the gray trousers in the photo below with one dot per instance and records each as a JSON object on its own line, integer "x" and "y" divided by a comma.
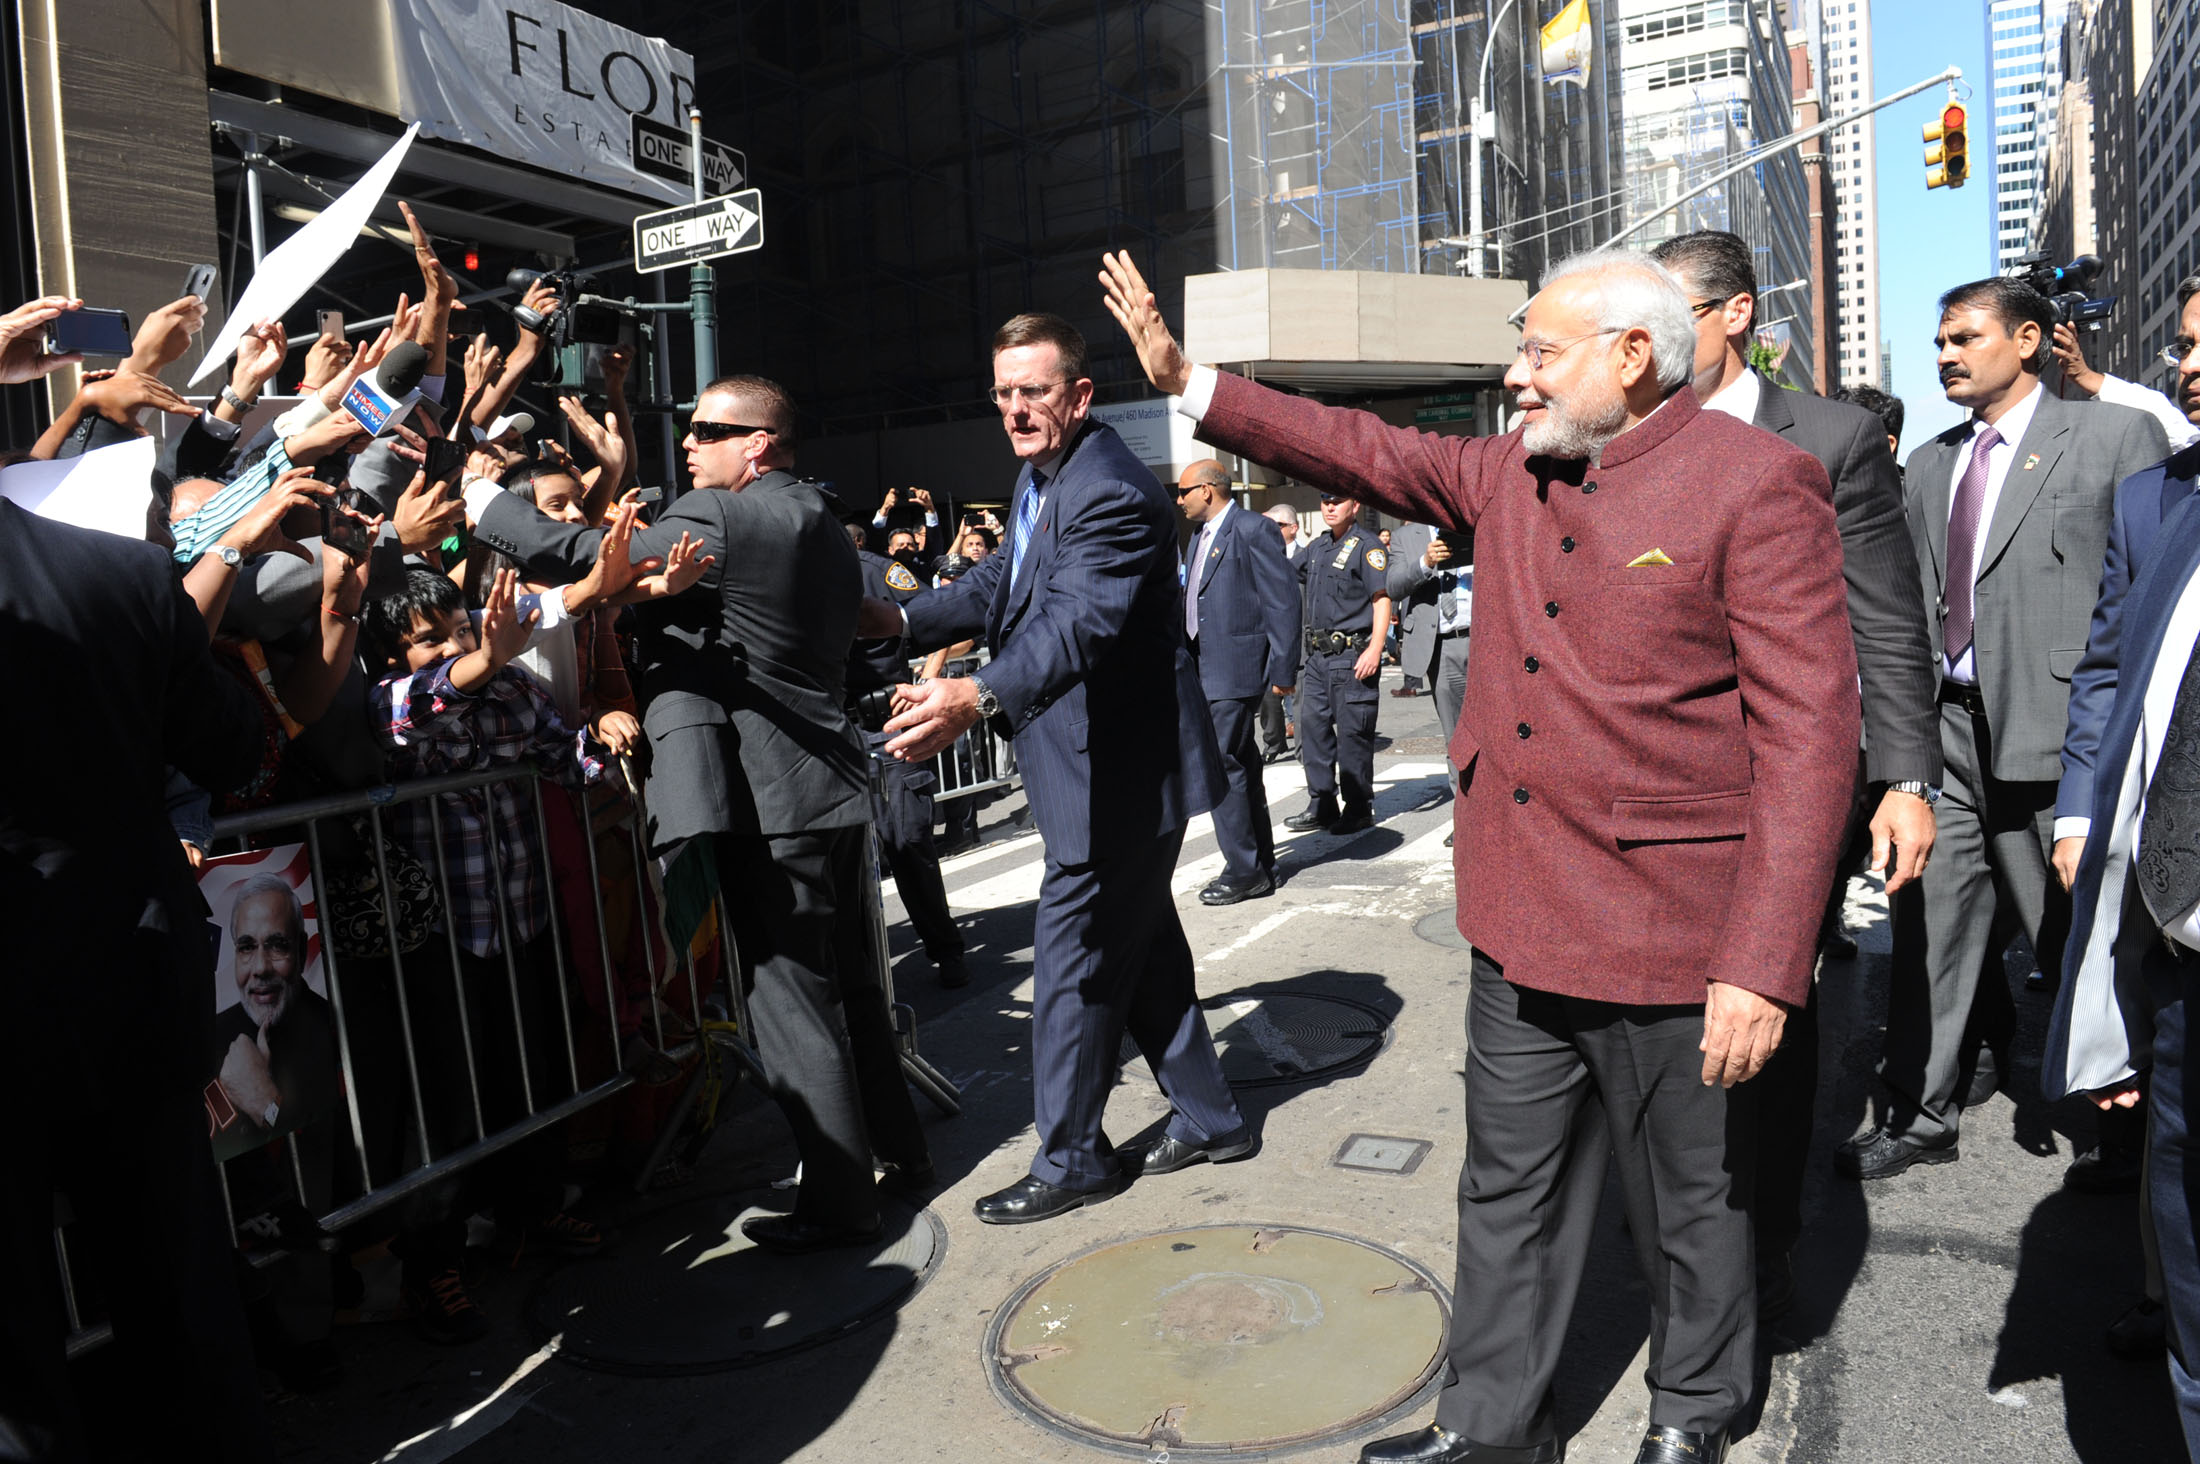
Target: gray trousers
{"x": 1989, "y": 877}
{"x": 1554, "y": 1085}
{"x": 1448, "y": 678}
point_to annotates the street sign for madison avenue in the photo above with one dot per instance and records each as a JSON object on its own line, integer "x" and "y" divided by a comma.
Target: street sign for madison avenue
{"x": 730, "y": 225}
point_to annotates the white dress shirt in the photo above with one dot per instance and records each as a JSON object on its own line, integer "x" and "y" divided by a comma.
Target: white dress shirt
{"x": 2118, "y": 392}
{"x": 1738, "y": 398}
{"x": 2013, "y": 425}
{"x": 1196, "y": 570}
{"x": 2178, "y": 643}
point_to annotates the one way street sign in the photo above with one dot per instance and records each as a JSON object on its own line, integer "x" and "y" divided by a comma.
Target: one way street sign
{"x": 662, "y": 152}
{"x": 730, "y": 225}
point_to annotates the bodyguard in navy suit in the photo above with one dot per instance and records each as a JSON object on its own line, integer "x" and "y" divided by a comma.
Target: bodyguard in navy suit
{"x": 2127, "y": 995}
{"x": 1241, "y": 617}
{"x": 1091, "y": 677}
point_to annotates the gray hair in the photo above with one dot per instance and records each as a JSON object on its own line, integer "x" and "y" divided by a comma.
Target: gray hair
{"x": 1633, "y": 291}
{"x": 273, "y": 884}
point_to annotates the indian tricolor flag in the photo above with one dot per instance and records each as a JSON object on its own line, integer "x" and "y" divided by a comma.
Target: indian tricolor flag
{"x": 1568, "y": 43}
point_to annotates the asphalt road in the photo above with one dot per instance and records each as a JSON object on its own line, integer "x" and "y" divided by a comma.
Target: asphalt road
{"x": 1951, "y": 1314}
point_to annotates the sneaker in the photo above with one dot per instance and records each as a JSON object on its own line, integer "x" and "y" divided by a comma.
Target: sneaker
{"x": 564, "y": 1235}
{"x": 443, "y": 1313}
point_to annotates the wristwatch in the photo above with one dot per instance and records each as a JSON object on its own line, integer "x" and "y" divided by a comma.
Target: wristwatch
{"x": 989, "y": 705}
{"x": 229, "y": 395}
{"x": 271, "y": 1115}
{"x": 1916, "y": 789}
{"x": 228, "y": 554}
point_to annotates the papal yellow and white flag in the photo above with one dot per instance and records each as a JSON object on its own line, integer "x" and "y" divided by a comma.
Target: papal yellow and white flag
{"x": 1568, "y": 43}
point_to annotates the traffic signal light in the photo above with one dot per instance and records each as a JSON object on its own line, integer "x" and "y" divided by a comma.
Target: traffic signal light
{"x": 1948, "y": 150}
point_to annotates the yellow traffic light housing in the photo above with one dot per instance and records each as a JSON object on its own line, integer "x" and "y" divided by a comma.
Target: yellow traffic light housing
{"x": 1948, "y": 153}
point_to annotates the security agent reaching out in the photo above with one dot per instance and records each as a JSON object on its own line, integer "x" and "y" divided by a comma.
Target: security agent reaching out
{"x": 1347, "y": 616}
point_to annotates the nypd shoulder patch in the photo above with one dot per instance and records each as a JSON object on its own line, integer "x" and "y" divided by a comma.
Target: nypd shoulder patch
{"x": 1377, "y": 559}
{"x": 898, "y": 577}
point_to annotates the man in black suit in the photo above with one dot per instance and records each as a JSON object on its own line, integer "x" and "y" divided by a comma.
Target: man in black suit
{"x": 1241, "y": 618}
{"x": 1894, "y": 662}
{"x": 104, "y": 1017}
{"x": 1091, "y": 677}
{"x": 743, "y": 681}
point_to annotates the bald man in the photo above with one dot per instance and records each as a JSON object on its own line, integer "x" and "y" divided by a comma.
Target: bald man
{"x": 1241, "y": 618}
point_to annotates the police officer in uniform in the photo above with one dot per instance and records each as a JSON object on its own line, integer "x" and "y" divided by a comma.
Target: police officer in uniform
{"x": 901, "y": 801}
{"x": 1347, "y": 616}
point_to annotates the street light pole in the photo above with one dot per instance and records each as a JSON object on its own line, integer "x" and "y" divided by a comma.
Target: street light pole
{"x": 1481, "y": 109}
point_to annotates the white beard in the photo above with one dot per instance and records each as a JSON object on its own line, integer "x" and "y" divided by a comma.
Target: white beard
{"x": 1563, "y": 433}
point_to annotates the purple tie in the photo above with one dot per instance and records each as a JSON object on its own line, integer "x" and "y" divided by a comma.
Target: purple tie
{"x": 1963, "y": 527}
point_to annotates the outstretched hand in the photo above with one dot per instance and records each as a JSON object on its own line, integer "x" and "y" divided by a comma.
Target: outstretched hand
{"x": 1132, "y": 304}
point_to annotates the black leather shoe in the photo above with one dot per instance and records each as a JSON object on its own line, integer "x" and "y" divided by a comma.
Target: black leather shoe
{"x": 1032, "y": 1198}
{"x": 2142, "y": 1331}
{"x": 1353, "y": 821}
{"x": 1447, "y": 841}
{"x": 1439, "y": 1445}
{"x": 791, "y": 1235}
{"x": 907, "y": 1182}
{"x": 953, "y": 973}
{"x": 1167, "y": 1155}
{"x": 1877, "y": 1154}
{"x": 2104, "y": 1169}
{"x": 1320, "y": 814}
{"x": 1678, "y": 1446}
{"x": 1228, "y": 891}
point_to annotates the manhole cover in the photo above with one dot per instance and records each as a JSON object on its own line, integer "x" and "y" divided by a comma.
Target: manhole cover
{"x": 1220, "y": 1339}
{"x": 685, "y": 1291}
{"x": 1441, "y": 927}
{"x": 1283, "y": 1037}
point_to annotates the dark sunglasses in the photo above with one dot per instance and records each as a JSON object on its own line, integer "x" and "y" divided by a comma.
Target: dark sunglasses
{"x": 722, "y": 431}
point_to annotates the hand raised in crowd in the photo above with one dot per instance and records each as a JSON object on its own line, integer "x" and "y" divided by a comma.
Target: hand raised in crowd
{"x": 1438, "y": 553}
{"x": 121, "y": 397}
{"x": 2070, "y": 354}
{"x": 684, "y": 564}
{"x": 349, "y": 368}
{"x": 483, "y": 357}
{"x": 614, "y": 571}
{"x": 504, "y": 630}
{"x": 922, "y": 498}
{"x": 329, "y": 354}
{"x": 616, "y": 730}
{"x": 260, "y": 531}
{"x": 441, "y": 285}
{"x": 603, "y": 439}
{"x": 542, "y": 299}
{"x": 260, "y": 354}
{"x": 616, "y": 364}
{"x": 1741, "y": 1031}
{"x": 343, "y": 578}
{"x": 886, "y": 504}
{"x": 23, "y": 340}
{"x": 1132, "y": 304}
{"x": 164, "y": 335}
{"x": 426, "y": 516}
{"x": 337, "y": 432}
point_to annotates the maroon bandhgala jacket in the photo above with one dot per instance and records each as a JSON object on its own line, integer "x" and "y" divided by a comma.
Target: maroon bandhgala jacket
{"x": 1657, "y": 751}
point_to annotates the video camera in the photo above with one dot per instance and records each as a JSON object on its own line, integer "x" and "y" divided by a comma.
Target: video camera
{"x": 2066, "y": 286}
{"x": 581, "y": 327}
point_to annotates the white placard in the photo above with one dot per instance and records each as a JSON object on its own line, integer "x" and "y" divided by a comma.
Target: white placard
{"x": 539, "y": 83}
{"x": 296, "y": 265}
{"x": 1154, "y": 429}
{"x": 110, "y": 490}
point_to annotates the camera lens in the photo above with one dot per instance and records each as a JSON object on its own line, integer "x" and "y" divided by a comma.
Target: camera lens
{"x": 522, "y": 280}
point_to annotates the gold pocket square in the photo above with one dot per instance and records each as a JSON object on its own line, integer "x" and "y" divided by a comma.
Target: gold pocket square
{"x": 1655, "y": 556}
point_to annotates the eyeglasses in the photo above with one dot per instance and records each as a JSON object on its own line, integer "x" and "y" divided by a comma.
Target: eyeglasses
{"x": 1704, "y": 307}
{"x": 723, "y": 431}
{"x": 2176, "y": 352}
{"x": 1001, "y": 396}
{"x": 1541, "y": 353}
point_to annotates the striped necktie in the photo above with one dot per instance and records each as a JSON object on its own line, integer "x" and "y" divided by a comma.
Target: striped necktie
{"x": 1027, "y": 519}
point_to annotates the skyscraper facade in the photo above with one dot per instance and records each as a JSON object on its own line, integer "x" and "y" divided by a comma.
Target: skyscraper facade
{"x": 2024, "y": 78}
{"x": 1846, "y": 45}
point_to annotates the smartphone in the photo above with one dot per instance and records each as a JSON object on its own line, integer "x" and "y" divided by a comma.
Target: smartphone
{"x": 331, "y": 323}
{"x": 344, "y": 516}
{"x": 1460, "y": 542}
{"x": 649, "y": 495}
{"x": 446, "y": 461}
{"x": 200, "y": 281}
{"x": 89, "y": 333}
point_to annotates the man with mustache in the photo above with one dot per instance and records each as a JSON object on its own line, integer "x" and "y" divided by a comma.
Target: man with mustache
{"x": 276, "y": 1048}
{"x": 2009, "y": 513}
{"x": 1655, "y": 756}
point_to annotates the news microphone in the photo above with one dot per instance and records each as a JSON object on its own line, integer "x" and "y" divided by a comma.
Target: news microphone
{"x": 379, "y": 402}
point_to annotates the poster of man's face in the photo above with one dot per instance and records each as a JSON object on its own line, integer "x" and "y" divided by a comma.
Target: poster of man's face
{"x": 272, "y": 1067}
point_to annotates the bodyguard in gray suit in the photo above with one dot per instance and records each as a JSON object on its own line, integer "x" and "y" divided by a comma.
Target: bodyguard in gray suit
{"x": 751, "y": 748}
{"x": 1433, "y": 589}
{"x": 2009, "y": 514}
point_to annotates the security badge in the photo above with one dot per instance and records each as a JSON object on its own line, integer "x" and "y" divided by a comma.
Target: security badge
{"x": 898, "y": 577}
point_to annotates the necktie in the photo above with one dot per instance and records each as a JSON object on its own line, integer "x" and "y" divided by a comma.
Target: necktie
{"x": 1963, "y": 527}
{"x": 1192, "y": 580}
{"x": 2169, "y": 833}
{"x": 1027, "y": 519}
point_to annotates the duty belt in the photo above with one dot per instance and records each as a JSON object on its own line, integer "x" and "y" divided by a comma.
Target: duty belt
{"x": 870, "y": 709}
{"x": 1331, "y": 642}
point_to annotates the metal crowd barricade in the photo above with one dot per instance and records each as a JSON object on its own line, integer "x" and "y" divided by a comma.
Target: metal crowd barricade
{"x": 547, "y": 1097}
{"x": 980, "y": 761}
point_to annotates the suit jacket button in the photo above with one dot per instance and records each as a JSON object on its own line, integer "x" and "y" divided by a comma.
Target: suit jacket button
{"x": 1566, "y": 545}
{"x": 1525, "y": 729}
{"x": 1550, "y": 608}
{"x": 1520, "y": 795}
{"x": 1532, "y": 665}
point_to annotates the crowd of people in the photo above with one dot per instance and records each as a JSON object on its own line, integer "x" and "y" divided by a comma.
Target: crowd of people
{"x": 1725, "y": 654}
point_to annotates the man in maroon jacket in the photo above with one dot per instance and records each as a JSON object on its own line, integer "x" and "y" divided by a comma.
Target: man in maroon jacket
{"x": 1656, "y": 754}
